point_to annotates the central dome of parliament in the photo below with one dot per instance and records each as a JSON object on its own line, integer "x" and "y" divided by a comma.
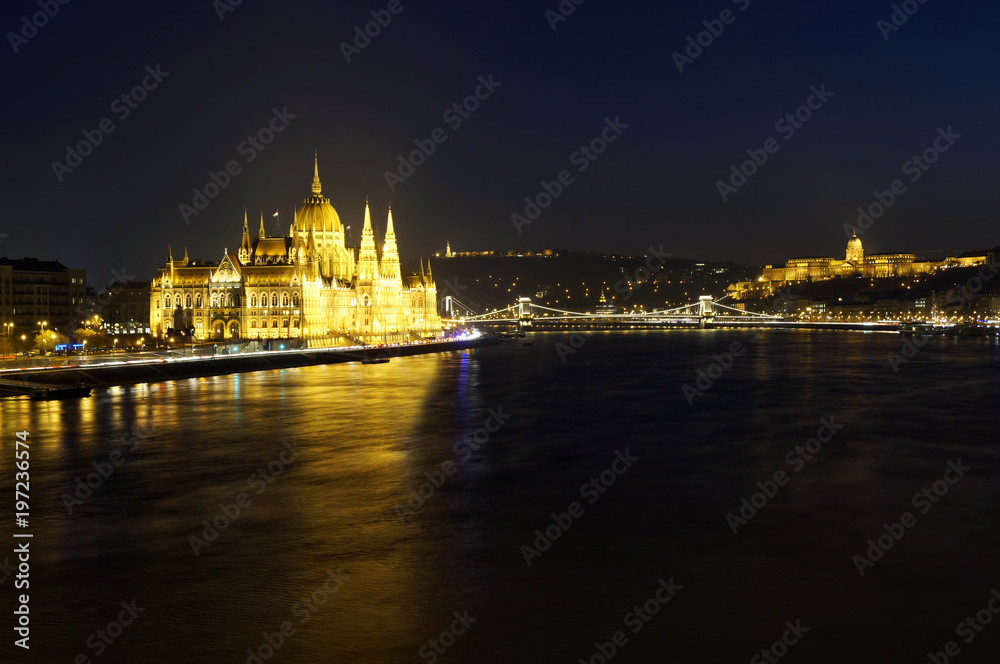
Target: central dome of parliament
{"x": 316, "y": 212}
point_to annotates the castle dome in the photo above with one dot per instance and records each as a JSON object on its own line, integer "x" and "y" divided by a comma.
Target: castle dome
{"x": 854, "y": 243}
{"x": 316, "y": 213}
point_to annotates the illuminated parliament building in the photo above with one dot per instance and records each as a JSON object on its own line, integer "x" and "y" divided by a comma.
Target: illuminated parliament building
{"x": 308, "y": 285}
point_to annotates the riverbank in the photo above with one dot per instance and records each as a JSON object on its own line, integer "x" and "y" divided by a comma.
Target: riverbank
{"x": 25, "y": 381}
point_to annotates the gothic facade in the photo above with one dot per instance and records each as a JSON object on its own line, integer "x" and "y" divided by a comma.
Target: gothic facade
{"x": 307, "y": 285}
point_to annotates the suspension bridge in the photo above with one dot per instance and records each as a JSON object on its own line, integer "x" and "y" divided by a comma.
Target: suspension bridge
{"x": 525, "y": 314}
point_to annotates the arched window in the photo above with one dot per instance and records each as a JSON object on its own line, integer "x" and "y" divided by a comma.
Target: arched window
{"x": 187, "y": 301}
{"x": 215, "y": 299}
{"x": 295, "y": 322}
{"x": 197, "y": 300}
{"x": 166, "y": 302}
{"x": 236, "y": 300}
{"x": 274, "y": 323}
{"x": 295, "y": 299}
{"x": 263, "y": 299}
{"x": 253, "y": 323}
{"x": 229, "y": 298}
{"x": 284, "y": 323}
{"x": 284, "y": 299}
{"x": 274, "y": 299}
{"x": 253, "y": 302}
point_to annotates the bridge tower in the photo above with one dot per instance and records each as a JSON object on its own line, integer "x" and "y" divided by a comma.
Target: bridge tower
{"x": 524, "y": 312}
{"x": 706, "y": 311}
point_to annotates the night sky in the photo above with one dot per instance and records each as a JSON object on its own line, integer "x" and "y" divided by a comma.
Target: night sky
{"x": 656, "y": 184}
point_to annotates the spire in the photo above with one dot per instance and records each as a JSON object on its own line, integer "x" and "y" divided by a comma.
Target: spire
{"x": 390, "y": 253}
{"x": 244, "y": 253}
{"x": 421, "y": 269}
{"x": 367, "y": 258}
{"x": 261, "y": 233}
{"x": 170, "y": 254}
{"x": 185, "y": 255}
{"x": 317, "y": 189}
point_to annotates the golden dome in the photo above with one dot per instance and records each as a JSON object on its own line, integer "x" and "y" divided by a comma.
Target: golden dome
{"x": 316, "y": 212}
{"x": 854, "y": 243}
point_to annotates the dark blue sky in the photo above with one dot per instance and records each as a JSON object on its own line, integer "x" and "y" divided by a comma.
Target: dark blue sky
{"x": 655, "y": 185}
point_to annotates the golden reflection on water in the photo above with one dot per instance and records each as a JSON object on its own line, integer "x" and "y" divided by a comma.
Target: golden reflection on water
{"x": 366, "y": 433}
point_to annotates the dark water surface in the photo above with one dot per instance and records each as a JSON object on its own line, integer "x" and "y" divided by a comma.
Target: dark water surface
{"x": 366, "y": 436}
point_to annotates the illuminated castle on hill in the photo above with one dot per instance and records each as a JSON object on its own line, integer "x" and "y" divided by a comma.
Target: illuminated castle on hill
{"x": 854, "y": 264}
{"x": 308, "y": 285}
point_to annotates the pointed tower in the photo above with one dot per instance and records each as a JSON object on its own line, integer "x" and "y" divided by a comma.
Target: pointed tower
{"x": 261, "y": 233}
{"x": 389, "y": 266}
{"x": 367, "y": 258}
{"x": 245, "y": 246}
{"x": 186, "y": 259}
{"x": 390, "y": 282}
{"x": 317, "y": 188}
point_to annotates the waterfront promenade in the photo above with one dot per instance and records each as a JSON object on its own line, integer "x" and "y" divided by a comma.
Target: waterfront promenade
{"x": 172, "y": 365}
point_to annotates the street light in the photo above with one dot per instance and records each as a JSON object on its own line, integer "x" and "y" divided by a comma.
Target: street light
{"x": 114, "y": 346}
